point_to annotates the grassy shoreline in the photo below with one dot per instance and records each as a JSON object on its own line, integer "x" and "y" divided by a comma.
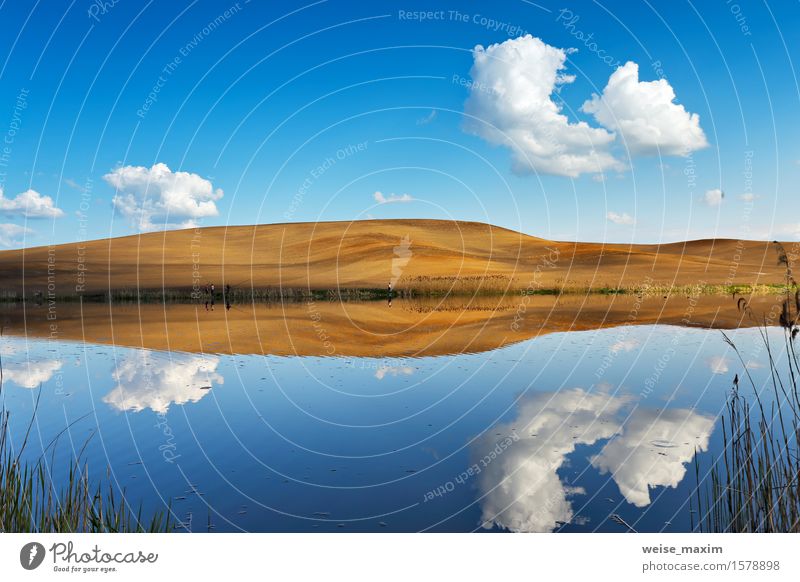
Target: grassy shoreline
{"x": 456, "y": 289}
{"x": 32, "y": 501}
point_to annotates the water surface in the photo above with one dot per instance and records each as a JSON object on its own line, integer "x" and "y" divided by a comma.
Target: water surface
{"x": 553, "y": 432}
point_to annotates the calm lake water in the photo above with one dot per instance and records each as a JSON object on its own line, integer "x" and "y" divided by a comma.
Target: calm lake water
{"x": 554, "y": 433}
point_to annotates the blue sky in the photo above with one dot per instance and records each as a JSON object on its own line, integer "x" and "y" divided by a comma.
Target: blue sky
{"x": 137, "y": 116}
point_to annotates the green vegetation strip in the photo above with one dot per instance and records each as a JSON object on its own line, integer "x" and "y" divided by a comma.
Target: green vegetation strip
{"x": 265, "y": 294}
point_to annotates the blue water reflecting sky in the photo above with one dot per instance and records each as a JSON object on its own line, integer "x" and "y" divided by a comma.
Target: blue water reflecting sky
{"x": 555, "y": 433}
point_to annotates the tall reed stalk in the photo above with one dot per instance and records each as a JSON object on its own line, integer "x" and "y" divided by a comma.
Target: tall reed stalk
{"x": 754, "y": 486}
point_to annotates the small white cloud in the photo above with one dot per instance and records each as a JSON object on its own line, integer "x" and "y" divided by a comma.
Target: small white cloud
{"x": 754, "y": 365}
{"x": 381, "y": 199}
{"x": 381, "y": 372}
{"x": 31, "y": 374}
{"x": 157, "y": 197}
{"x": 623, "y": 346}
{"x": 10, "y": 234}
{"x": 428, "y": 118}
{"x": 623, "y": 218}
{"x": 791, "y": 230}
{"x": 645, "y": 115}
{"x": 29, "y": 204}
{"x": 713, "y": 198}
{"x": 719, "y": 365}
{"x": 74, "y": 185}
{"x": 748, "y": 197}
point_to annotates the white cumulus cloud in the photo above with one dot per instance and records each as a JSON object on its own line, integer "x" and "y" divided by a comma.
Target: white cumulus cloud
{"x": 511, "y": 104}
{"x": 713, "y": 197}
{"x": 29, "y": 204}
{"x": 623, "y": 218}
{"x": 645, "y": 115}
{"x": 514, "y": 102}
{"x": 157, "y": 197}
{"x": 381, "y": 198}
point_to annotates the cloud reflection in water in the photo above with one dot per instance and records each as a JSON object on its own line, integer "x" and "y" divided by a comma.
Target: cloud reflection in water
{"x": 521, "y": 490}
{"x": 31, "y": 374}
{"x": 148, "y": 380}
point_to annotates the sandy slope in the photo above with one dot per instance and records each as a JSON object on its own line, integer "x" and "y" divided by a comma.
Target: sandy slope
{"x": 362, "y": 254}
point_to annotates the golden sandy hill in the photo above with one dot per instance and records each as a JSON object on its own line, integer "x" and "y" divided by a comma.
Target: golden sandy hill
{"x": 327, "y": 255}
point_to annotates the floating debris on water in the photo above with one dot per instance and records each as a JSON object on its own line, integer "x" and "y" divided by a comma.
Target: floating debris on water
{"x": 663, "y": 444}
